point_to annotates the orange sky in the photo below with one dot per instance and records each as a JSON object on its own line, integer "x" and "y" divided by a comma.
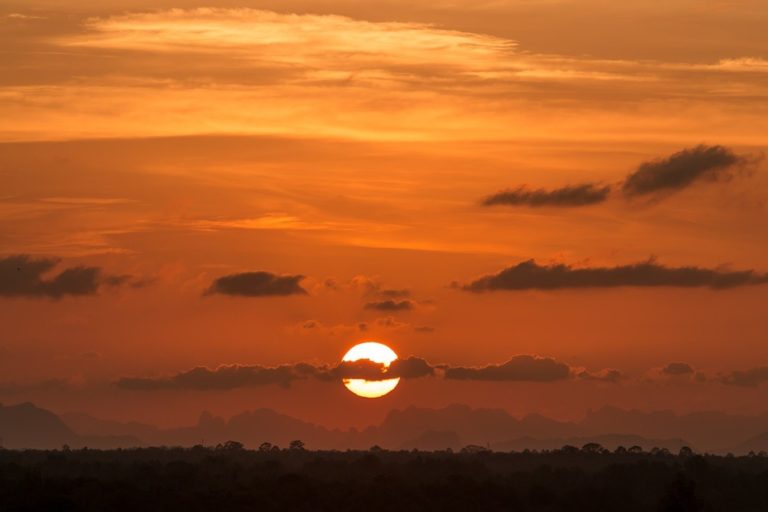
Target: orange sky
{"x": 171, "y": 144}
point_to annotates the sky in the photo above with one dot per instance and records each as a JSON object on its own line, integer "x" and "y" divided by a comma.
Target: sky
{"x": 545, "y": 206}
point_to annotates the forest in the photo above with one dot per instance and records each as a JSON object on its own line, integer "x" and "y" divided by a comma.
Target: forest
{"x": 229, "y": 477}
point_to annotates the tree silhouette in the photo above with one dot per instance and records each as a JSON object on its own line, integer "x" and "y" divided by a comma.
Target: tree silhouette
{"x": 474, "y": 448}
{"x": 593, "y": 448}
{"x": 235, "y": 479}
{"x": 296, "y": 445}
{"x": 233, "y": 446}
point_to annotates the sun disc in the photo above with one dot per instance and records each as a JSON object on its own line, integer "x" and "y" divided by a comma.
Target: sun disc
{"x": 378, "y": 353}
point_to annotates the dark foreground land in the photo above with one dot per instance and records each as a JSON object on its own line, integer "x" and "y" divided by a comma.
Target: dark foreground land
{"x": 231, "y": 478}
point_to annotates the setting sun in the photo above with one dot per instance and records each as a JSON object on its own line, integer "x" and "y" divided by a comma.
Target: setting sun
{"x": 378, "y": 353}
{"x": 212, "y": 213}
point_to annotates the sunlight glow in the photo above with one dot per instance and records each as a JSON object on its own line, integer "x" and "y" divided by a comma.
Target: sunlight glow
{"x": 378, "y": 353}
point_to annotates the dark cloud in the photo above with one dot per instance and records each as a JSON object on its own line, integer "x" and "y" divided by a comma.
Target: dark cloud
{"x": 424, "y": 329}
{"x": 360, "y": 369}
{"x": 573, "y": 195}
{"x": 395, "y": 294}
{"x": 410, "y": 368}
{"x": 239, "y": 376}
{"x": 676, "y": 369}
{"x": 746, "y": 378}
{"x": 519, "y": 368}
{"x": 528, "y": 275}
{"x": 681, "y": 170}
{"x": 222, "y": 378}
{"x": 390, "y": 305}
{"x": 257, "y": 284}
{"x": 389, "y": 322}
{"x": 23, "y": 276}
{"x": 607, "y": 375}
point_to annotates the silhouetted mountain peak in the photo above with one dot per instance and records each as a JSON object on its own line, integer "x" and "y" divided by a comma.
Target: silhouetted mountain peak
{"x": 26, "y": 426}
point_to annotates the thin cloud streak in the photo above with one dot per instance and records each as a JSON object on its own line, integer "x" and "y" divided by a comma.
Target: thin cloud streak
{"x": 529, "y": 275}
{"x": 681, "y": 170}
{"x": 572, "y": 195}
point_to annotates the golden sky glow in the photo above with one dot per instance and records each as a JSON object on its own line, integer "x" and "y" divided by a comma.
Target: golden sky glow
{"x": 263, "y": 183}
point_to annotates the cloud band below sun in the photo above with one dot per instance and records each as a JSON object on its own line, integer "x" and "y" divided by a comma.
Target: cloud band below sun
{"x": 520, "y": 368}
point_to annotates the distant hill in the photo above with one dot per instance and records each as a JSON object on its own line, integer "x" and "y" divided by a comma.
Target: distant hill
{"x": 756, "y": 444}
{"x": 707, "y": 431}
{"x": 27, "y": 426}
{"x": 473, "y": 426}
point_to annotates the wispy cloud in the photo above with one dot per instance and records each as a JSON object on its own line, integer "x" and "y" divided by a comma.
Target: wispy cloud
{"x": 323, "y": 42}
{"x": 572, "y": 195}
{"x": 530, "y": 275}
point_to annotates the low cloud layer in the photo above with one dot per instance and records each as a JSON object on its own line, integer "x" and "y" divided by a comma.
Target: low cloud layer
{"x": 239, "y": 376}
{"x": 519, "y": 368}
{"x": 222, "y": 378}
{"x": 575, "y": 195}
{"x": 681, "y": 169}
{"x": 746, "y": 378}
{"x": 677, "y": 369}
{"x": 390, "y": 305}
{"x": 609, "y": 375}
{"x": 26, "y": 276}
{"x": 529, "y": 275}
{"x": 257, "y": 284}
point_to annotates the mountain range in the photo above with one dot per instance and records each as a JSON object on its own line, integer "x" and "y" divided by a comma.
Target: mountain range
{"x": 27, "y": 426}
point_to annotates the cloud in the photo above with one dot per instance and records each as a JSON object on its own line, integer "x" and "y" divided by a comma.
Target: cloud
{"x": 391, "y": 305}
{"x": 23, "y": 276}
{"x": 529, "y": 275}
{"x": 222, "y": 378}
{"x": 410, "y": 368}
{"x": 681, "y": 169}
{"x": 229, "y": 377}
{"x": 677, "y": 369}
{"x": 572, "y": 195}
{"x": 519, "y": 368}
{"x": 607, "y": 375}
{"x": 360, "y": 369}
{"x": 257, "y": 284}
{"x": 395, "y": 294}
{"x": 371, "y": 287}
{"x": 316, "y": 327}
{"x": 746, "y": 378}
{"x": 312, "y": 40}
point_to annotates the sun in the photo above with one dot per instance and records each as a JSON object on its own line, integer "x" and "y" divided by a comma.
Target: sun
{"x": 378, "y": 353}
